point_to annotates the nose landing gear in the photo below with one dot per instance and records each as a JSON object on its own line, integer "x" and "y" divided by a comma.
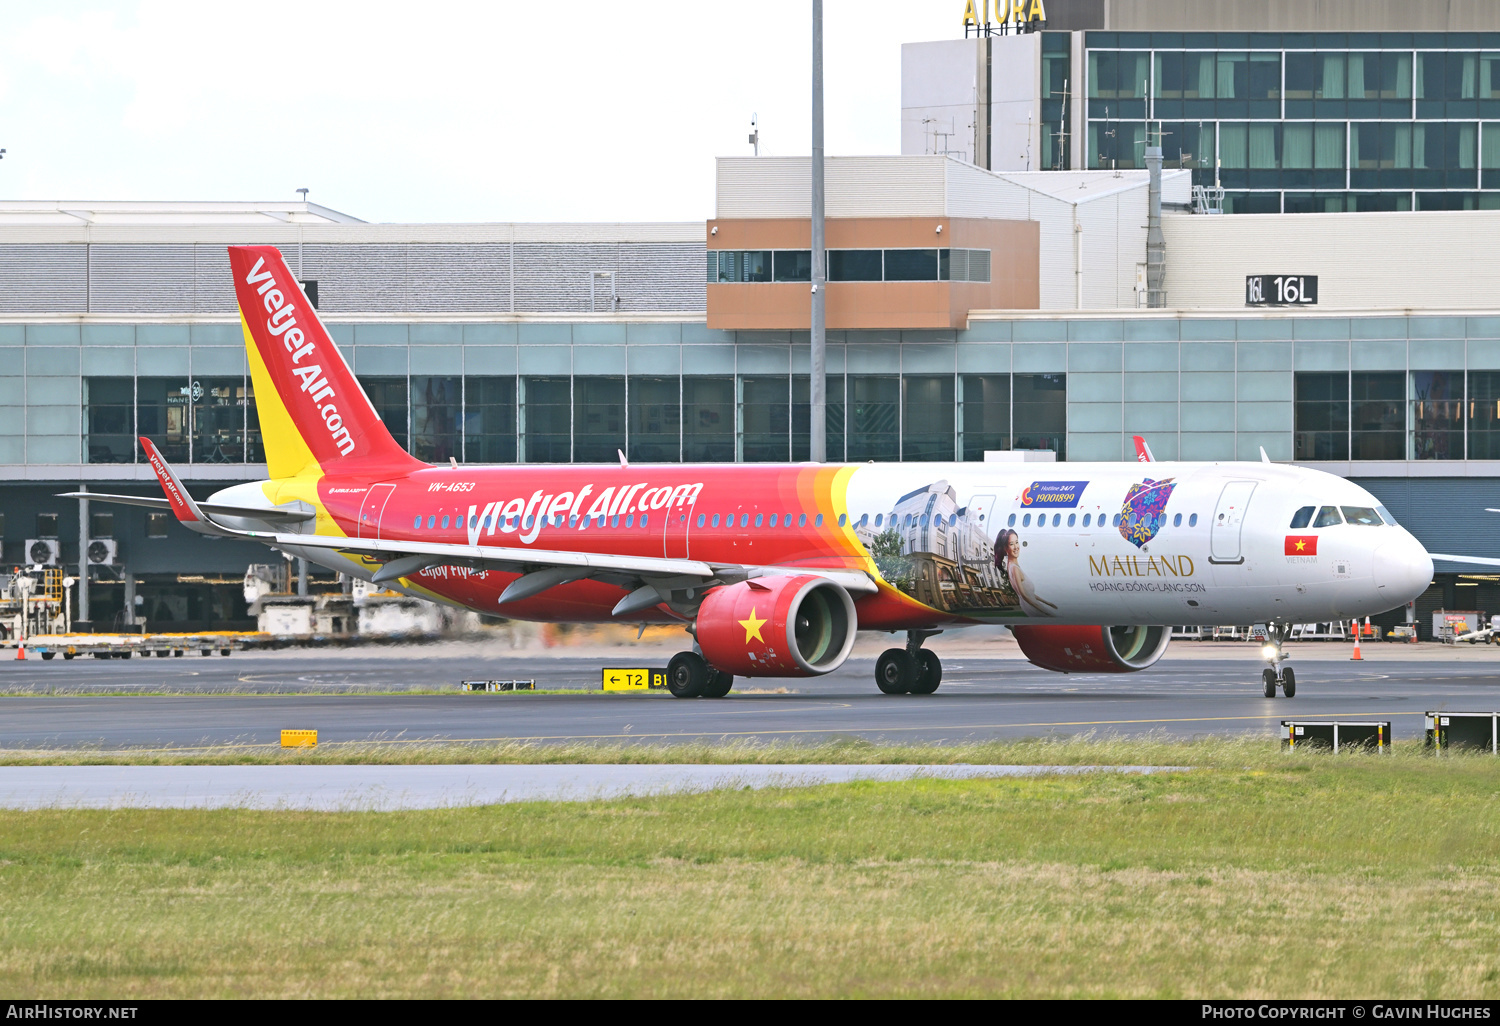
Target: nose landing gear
{"x": 1277, "y": 673}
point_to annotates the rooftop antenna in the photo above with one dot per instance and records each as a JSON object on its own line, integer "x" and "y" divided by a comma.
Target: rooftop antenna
{"x": 818, "y": 398}
{"x": 755, "y": 132}
{"x": 303, "y": 194}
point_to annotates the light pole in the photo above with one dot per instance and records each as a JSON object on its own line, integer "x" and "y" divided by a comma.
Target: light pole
{"x": 819, "y": 391}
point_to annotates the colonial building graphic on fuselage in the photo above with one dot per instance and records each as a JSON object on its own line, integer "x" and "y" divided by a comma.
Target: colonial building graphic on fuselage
{"x": 940, "y": 554}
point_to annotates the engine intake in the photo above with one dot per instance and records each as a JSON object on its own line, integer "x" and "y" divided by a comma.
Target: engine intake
{"x": 798, "y": 626}
{"x": 1092, "y": 649}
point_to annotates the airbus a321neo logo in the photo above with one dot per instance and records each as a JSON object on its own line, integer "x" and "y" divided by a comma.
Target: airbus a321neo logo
{"x": 282, "y": 324}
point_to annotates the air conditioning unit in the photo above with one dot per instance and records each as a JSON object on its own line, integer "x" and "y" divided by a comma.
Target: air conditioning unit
{"x": 103, "y": 552}
{"x": 43, "y": 551}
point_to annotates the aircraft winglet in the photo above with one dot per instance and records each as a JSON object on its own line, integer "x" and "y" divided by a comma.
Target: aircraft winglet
{"x": 183, "y": 505}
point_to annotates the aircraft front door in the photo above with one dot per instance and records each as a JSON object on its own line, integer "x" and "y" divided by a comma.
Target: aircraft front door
{"x": 372, "y": 508}
{"x": 1229, "y": 523}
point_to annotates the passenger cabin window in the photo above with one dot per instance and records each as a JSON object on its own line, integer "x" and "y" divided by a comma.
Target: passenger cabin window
{"x": 1302, "y": 517}
{"x": 1328, "y": 516}
{"x": 1364, "y": 516}
{"x": 1177, "y": 520}
{"x": 1012, "y": 521}
{"x": 1193, "y": 520}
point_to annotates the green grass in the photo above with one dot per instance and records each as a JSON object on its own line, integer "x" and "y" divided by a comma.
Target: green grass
{"x": 1256, "y": 874}
{"x": 1089, "y": 748}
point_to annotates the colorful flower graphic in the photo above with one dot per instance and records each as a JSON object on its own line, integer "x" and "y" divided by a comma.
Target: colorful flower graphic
{"x": 1143, "y": 513}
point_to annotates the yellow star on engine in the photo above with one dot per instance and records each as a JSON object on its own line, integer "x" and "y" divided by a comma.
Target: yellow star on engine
{"x": 752, "y": 627}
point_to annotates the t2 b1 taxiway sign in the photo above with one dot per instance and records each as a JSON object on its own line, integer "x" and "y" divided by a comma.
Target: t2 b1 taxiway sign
{"x": 1281, "y": 289}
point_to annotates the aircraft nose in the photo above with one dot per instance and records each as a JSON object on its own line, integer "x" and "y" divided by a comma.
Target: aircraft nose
{"x": 1403, "y": 569}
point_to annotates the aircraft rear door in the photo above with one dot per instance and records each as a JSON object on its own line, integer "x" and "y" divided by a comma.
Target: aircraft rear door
{"x": 372, "y": 508}
{"x": 1229, "y": 523}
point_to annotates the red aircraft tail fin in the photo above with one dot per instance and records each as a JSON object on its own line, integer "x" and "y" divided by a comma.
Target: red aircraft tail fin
{"x": 313, "y": 413}
{"x": 1142, "y": 450}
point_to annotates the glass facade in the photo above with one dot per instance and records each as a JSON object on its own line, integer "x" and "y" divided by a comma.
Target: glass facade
{"x": 1300, "y": 122}
{"x": 1394, "y": 415}
{"x": 1316, "y": 387}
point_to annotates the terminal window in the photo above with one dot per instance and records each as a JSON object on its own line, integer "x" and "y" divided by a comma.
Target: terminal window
{"x": 655, "y": 419}
{"x": 109, "y": 420}
{"x": 598, "y": 419}
{"x": 833, "y": 431}
{"x": 489, "y": 419}
{"x": 708, "y": 418}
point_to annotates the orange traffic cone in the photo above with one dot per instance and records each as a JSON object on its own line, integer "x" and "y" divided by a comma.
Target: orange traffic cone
{"x": 1356, "y": 654}
{"x": 21, "y": 651}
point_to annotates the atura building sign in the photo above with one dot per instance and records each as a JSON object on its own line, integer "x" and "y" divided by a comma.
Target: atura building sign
{"x": 1019, "y": 15}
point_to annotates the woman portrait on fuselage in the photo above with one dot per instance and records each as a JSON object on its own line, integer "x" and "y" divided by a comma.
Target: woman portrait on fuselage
{"x": 1007, "y": 560}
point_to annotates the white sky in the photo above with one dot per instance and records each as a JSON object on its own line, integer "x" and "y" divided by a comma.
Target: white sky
{"x": 437, "y": 110}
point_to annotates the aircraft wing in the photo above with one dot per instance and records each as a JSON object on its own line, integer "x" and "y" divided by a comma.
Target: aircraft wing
{"x": 402, "y": 558}
{"x": 270, "y": 516}
{"x": 1474, "y": 560}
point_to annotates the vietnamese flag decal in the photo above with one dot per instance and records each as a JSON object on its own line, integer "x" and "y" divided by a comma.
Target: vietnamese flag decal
{"x": 1301, "y": 545}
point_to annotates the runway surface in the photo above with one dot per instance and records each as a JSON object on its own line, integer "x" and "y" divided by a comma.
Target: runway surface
{"x": 386, "y": 788}
{"x": 981, "y": 698}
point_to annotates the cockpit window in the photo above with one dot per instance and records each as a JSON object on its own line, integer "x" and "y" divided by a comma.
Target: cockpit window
{"x": 1362, "y": 515}
{"x": 1328, "y": 516}
{"x": 1302, "y": 517}
{"x": 1385, "y": 515}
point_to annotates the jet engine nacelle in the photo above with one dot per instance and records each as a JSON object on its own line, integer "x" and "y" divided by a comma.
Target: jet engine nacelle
{"x": 1092, "y": 649}
{"x": 777, "y": 627}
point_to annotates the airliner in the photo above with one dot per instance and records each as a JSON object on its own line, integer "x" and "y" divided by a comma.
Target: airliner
{"x": 772, "y": 569}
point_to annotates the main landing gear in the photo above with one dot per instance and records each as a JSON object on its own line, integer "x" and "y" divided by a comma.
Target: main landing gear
{"x": 690, "y": 676}
{"x": 1277, "y": 673}
{"x": 911, "y": 670}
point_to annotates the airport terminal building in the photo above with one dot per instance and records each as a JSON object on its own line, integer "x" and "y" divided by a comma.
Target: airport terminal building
{"x": 972, "y": 307}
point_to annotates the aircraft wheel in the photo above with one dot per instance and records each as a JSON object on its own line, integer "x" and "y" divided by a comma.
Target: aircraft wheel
{"x": 895, "y": 671}
{"x": 929, "y": 673}
{"x": 1288, "y": 683}
{"x": 718, "y": 684}
{"x": 687, "y": 675}
{"x": 1269, "y": 676}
